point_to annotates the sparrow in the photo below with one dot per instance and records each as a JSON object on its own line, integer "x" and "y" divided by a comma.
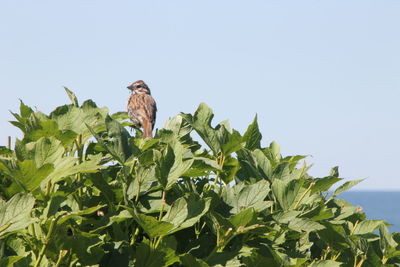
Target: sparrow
{"x": 142, "y": 108}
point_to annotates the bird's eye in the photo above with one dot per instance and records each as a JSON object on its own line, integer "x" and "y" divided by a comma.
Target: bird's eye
{"x": 138, "y": 86}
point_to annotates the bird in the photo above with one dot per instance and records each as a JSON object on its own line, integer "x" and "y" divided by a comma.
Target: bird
{"x": 142, "y": 107}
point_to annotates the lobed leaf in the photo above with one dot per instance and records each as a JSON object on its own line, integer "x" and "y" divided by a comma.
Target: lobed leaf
{"x": 15, "y": 213}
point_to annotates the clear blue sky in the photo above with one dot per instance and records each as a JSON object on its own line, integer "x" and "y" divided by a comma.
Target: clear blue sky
{"x": 323, "y": 76}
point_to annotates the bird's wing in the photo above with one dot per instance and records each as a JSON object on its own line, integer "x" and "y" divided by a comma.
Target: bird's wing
{"x": 142, "y": 107}
{"x": 150, "y": 109}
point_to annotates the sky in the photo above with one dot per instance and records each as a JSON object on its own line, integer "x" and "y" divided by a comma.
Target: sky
{"x": 323, "y": 76}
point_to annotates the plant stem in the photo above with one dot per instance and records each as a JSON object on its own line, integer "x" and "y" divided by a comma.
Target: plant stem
{"x": 162, "y": 205}
{"x": 157, "y": 242}
{"x": 136, "y": 178}
{"x": 9, "y": 142}
{"x": 125, "y": 195}
{"x": 79, "y": 148}
{"x": 354, "y": 228}
{"x": 48, "y": 189}
{"x": 133, "y": 240}
{"x": 61, "y": 255}
{"x": 46, "y": 241}
{"x": 138, "y": 193}
{"x": 220, "y": 162}
{"x": 304, "y": 194}
{"x": 359, "y": 264}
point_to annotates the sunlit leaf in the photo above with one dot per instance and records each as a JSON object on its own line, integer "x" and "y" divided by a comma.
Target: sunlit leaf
{"x": 72, "y": 96}
{"x": 346, "y": 186}
{"x": 15, "y": 213}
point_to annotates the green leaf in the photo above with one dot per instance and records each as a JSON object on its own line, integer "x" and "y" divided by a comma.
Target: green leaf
{"x": 286, "y": 192}
{"x": 72, "y": 96}
{"x": 120, "y": 116}
{"x": 185, "y": 212}
{"x": 282, "y": 171}
{"x": 243, "y": 218}
{"x": 258, "y": 260}
{"x": 28, "y": 176}
{"x": 334, "y": 172}
{"x": 335, "y": 236}
{"x": 252, "y": 136}
{"x": 189, "y": 260}
{"x": 75, "y": 119}
{"x": 152, "y": 226}
{"x": 118, "y": 139}
{"x": 66, "y": 167}
{"x": 53, "y": 205}
{"x": 4, "y": 151}
{"x": 248, "y": 196}
{"x": 172, "y": 165}
{"x": 47, "y": 150}
{"x": 84, "y": 246}
{"x": 117, "y": 143}
{"x": 218, "y": 139}
{"x": 323, "y": 214}
{"x": 146, "y": 256}
{"x": 229, "y": 169}
{"x": 44, "y": 128}
{"x": 326, "y": 263}
{"x": 386, "y": 242}
{"x": 25, "y": 111}
{"x": 346, "y": 186}
{"x": 285, "y": 216}
{"x": 78, "y": 214}
{"x": 306, "y": 225}
{"x": 144, "y": 180}
{"x": 201, "y": 122}
{"x": 324, "y": 184}
{"x": 231, "y": 143}
{"x": 168, "y": 246}
{"x": 293, "y": 161}
{"x": 15, "y": 213}
{"x": 366, "y": 227}
{"x": 202, "y": 167}
{"x": 9, "y": 261}
{"x": 178, "y": 125}
{"x": 273, "y": 153}
{"x": 254, "y": 164}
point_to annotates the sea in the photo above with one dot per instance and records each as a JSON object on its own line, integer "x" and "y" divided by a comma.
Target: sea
{"x": 378, "y": 205}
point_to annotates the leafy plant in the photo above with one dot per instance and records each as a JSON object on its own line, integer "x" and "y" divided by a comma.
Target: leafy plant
{"x": 79, "y": 190}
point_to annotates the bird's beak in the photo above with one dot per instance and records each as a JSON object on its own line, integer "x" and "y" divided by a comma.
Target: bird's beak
{"x": 129, "y": 87}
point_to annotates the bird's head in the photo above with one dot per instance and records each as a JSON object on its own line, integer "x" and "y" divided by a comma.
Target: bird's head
{"x": 139, "y": 87}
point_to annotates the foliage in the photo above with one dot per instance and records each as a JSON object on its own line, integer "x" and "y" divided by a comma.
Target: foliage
{"x": 79, "y": 190}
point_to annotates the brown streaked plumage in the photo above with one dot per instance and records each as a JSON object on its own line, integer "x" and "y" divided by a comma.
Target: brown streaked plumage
{"x": 142, "y": 108}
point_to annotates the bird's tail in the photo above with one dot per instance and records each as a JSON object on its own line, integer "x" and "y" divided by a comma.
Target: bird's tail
{"x": 147, "y": 129}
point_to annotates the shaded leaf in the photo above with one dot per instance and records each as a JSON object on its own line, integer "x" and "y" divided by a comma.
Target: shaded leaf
{"x": 252, "y": 136}
{"x": 286, "y": 192}
{"x": 306, "y": 225}
{"x": 151, "y": 226}
{"x": 243, "y": 218}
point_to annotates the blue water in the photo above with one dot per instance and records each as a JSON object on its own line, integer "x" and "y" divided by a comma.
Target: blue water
{"x": 378, "y": 205}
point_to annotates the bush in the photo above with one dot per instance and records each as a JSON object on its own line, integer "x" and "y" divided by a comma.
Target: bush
{"x": 79, "y": 190}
